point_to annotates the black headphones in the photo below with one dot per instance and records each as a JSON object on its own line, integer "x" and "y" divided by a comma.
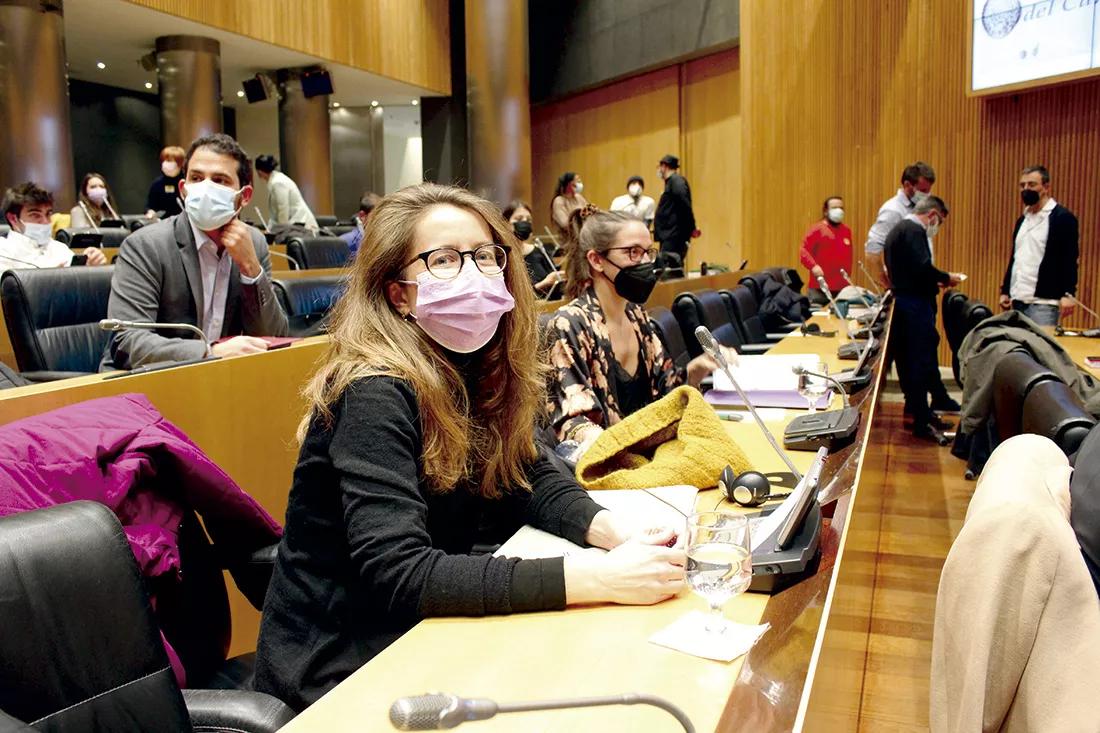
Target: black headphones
{"x": 750, "y": 488}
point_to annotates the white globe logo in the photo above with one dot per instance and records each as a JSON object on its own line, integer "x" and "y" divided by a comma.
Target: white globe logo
{"x": 999, "y": 17}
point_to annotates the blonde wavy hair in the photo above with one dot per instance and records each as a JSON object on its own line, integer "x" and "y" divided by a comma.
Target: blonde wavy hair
{"x": 484, "y": 433}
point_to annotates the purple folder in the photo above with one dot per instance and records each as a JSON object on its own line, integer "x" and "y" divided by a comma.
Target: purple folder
{"x": 766, "y": 398}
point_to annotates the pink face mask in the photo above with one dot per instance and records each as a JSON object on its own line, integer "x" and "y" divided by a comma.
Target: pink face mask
{"x": 462, "y": 313}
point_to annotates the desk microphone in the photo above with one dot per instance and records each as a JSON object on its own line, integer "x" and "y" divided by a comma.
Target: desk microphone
{"x": 288, "y": 258}
{"x": 262, "y": 219}
{"x": 862, "y": 294}
{"x": 22, "y": 262}
{"x": 801, "y": 370}
{"x": 833, "y": 428}
{"x": 706, "y": 340}
{"x": 829, "y": 295}
{"x": 114, "y": 324}
{"x": 870, "y": 279}
{"x": 437, "y": 711}
{"x": 1088, "y": 310}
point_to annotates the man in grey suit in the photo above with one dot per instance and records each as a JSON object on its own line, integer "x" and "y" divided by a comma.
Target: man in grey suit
{"x": 204, "y": 267}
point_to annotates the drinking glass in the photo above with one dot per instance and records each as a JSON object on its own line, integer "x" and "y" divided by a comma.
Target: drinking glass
{"x": 813, "y": 388}
{"x": 719, "y": 561}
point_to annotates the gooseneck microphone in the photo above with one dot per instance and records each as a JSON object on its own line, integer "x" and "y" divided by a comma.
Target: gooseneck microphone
{"x": 437, "y": 711}
{"x": 288, "y": 258}
{"x": 1088, "y": 310}
{"x": 862, "y": 294}
{"x": 874, "y": 285}
{"x": 706, "y": 340}
{"x": 829, "y": 295}
{"x": 114, "y": 324}
{"x": 800, "y": 370}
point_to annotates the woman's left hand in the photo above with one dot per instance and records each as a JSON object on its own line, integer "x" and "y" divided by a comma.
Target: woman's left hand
{"x": 703, "y": 365}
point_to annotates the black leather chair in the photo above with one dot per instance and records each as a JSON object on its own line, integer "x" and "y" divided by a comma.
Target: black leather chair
{"x": 308, "y": 300}
{"x": 746, "y": 315}
{"x": 110, "y": 236}
{"x": 1053, "y": 410}
{"x": 81, "y": 651}
{"x": 672, "y": 337}
{"x": 136, "y": 221}
{"x": 9, "y": 379}
{"x": 1013, "y": 379}
{"x": 708, "y": 308}
{"x": 976, "y": 312}
{"x": 53, "y": 319}
{"x": 326, "y": 220}
{"x": 339, "y": 230}
{"x": 953, "y": 313}
{"x": 314, "y": 253}
{"x": 1084, "y": 490}
{"x": 755, "y": 283}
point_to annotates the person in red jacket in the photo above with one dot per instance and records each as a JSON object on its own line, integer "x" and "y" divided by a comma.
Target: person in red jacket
{"x": 827, "y": 249}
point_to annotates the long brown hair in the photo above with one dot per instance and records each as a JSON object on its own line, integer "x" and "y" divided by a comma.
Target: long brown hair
{"x": 91, "y": 207}
{"x": 484, "y": 433}
{"x": 590, "y": 229}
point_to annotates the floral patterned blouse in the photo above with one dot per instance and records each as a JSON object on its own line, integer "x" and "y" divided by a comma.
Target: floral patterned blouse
{"x": 582, "y": 388}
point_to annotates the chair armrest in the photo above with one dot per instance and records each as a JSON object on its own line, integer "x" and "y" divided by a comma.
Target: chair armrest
{"x": 776, "y": 337}
{"x": 252, "y": 573}
{"x": 50, "y": 376}
{"x": 753, "y": 348}
{"x": 234, "y": 711}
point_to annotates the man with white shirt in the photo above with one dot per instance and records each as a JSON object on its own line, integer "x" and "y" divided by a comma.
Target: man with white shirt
{"x": 916, "y": 184}
{"x": 634, "y": 202}
{"x": 30, "y": 244}
{"x": 204, "y": 267}
{"x": 1043, "y": 265}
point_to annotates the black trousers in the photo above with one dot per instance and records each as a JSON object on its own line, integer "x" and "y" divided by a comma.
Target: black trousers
{"x": 915, "y": 354}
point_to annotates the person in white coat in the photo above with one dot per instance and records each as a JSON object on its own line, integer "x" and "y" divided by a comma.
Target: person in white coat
{"x": 285, "y": 204}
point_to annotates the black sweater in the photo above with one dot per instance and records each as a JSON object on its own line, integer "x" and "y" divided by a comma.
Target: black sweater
{"x": 674, "y": 221}
{"x": 164, "y": 195}
{"x": 369, "y": 550}
{"x": 1058, "y": 269}
{"x": 909, "y": 261}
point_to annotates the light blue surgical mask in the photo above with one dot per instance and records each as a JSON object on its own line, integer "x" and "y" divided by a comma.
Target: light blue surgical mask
{"x": 210, "y": 205}
{"x": 40, "y": 234}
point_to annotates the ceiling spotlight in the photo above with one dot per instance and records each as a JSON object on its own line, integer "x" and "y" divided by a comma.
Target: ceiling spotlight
{"x": 100, "y": 65}
{"x": 148, "y": 85}
{"x": 240, "y": 93}
{"x": 416, "y": 102}
{"x": 374, "y": 103}
{"x": 336, "y": 105}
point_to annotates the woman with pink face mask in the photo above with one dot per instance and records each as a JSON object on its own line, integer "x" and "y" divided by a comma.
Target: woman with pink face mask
{"x": 418, "y": 455}
{"x": 164, "y": 194}
{"x": 94, "y": 203}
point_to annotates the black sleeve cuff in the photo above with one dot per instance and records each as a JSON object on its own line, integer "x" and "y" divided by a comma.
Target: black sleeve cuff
{"x": 538, "y": 585}
{"x": 577, "y": 518}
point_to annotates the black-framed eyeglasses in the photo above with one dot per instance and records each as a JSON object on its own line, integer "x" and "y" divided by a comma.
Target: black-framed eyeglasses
{"x": 636, "y": 252}
{"x": 446, "y": 262}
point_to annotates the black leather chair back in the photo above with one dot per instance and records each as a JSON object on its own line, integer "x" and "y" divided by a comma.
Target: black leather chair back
{"x": 953, "y": 312}
{"x": 1053, "y": 410}
{"x": 755, "y": 283}
{"x": 339, "y": 230}
{"x": 707, "y": 308}
{"x": 136, "y": 221}
{"x": 1014, "y": 377}
{"x": 672, "y": 337}
{"x": 1084, "y": 513}
{"x": 111, "y": 236}
{"x": 976, "y": 312}
{"x": 80, "y": 651}
{"x": 326, "y": 220}
{"x": 308, "y": 300}
{"x": 315, "y": 253}
{"x": 53, "y": 317}
{"x": 745, "y": 312}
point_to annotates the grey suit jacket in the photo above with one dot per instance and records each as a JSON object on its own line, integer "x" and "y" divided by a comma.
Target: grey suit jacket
{"x": 157, "y": 278}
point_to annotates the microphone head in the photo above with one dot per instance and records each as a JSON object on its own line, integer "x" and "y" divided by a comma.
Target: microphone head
{"x": 706, "y": 340}
{"x": 421, "y": 712}
{"x": 798, "y": 369}
{"x": 110, "y": 324}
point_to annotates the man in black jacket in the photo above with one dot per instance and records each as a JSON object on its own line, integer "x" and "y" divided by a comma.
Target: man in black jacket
{"x": 1043, "y": 267}
{"x": 916, "y": 282}
{"x": 674, "y": 223}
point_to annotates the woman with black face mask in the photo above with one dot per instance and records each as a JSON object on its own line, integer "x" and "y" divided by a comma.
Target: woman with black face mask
{"x": 544, "y": 275}
{"x": 607, "y": 360}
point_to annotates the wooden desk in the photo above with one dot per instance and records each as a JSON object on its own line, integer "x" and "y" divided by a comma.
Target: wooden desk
{"x": 243, "y": 412}
{"x": 299, "y": 274}
{"x": 808, "y": 666}
{"x": 666, "y": 291}
{"x": 1078, "y": 347}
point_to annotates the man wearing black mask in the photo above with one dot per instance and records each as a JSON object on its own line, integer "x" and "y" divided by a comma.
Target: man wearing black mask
{"x": 674, "y": 222}
{"x": 1042, "y": 270}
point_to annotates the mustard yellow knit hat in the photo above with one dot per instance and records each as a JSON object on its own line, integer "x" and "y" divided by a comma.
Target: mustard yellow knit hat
{"x": 678, "y": 439}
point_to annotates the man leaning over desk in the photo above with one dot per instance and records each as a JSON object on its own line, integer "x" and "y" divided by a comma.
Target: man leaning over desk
{"x": 204, "y": 267}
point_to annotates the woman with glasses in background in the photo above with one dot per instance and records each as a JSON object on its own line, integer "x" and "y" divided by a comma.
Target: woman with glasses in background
{"x": 419, "y": 447}
{"x": 608, "y": 361}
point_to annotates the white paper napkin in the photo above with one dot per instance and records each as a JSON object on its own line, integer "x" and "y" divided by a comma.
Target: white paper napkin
{"x": 689, "y": 634}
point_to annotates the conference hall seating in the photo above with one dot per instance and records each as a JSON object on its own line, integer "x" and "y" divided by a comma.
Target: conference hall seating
{"x": 326, "y": 220}
{"x": 744, "y": 307}
{"x": 1013, "y": 379}
{"x": 88, "y": 653}
{"x": 107, "y": 236}
{"x": 1051, "y": 409}
{"x": 52, "y": 316}
{"x": 671, "y": 335}
{"x": 709, "y": 308}
{"x": 313, "y": 253}
{"x": 308, "y": 300}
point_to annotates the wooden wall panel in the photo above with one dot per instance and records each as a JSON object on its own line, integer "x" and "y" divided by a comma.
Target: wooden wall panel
{"x": 691, "y": 110}
{"x": 605, "y": 135}
{"x": 407, "y": 40}
{"x": 839, "y": 95}
{"x": 711, "y": 156}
